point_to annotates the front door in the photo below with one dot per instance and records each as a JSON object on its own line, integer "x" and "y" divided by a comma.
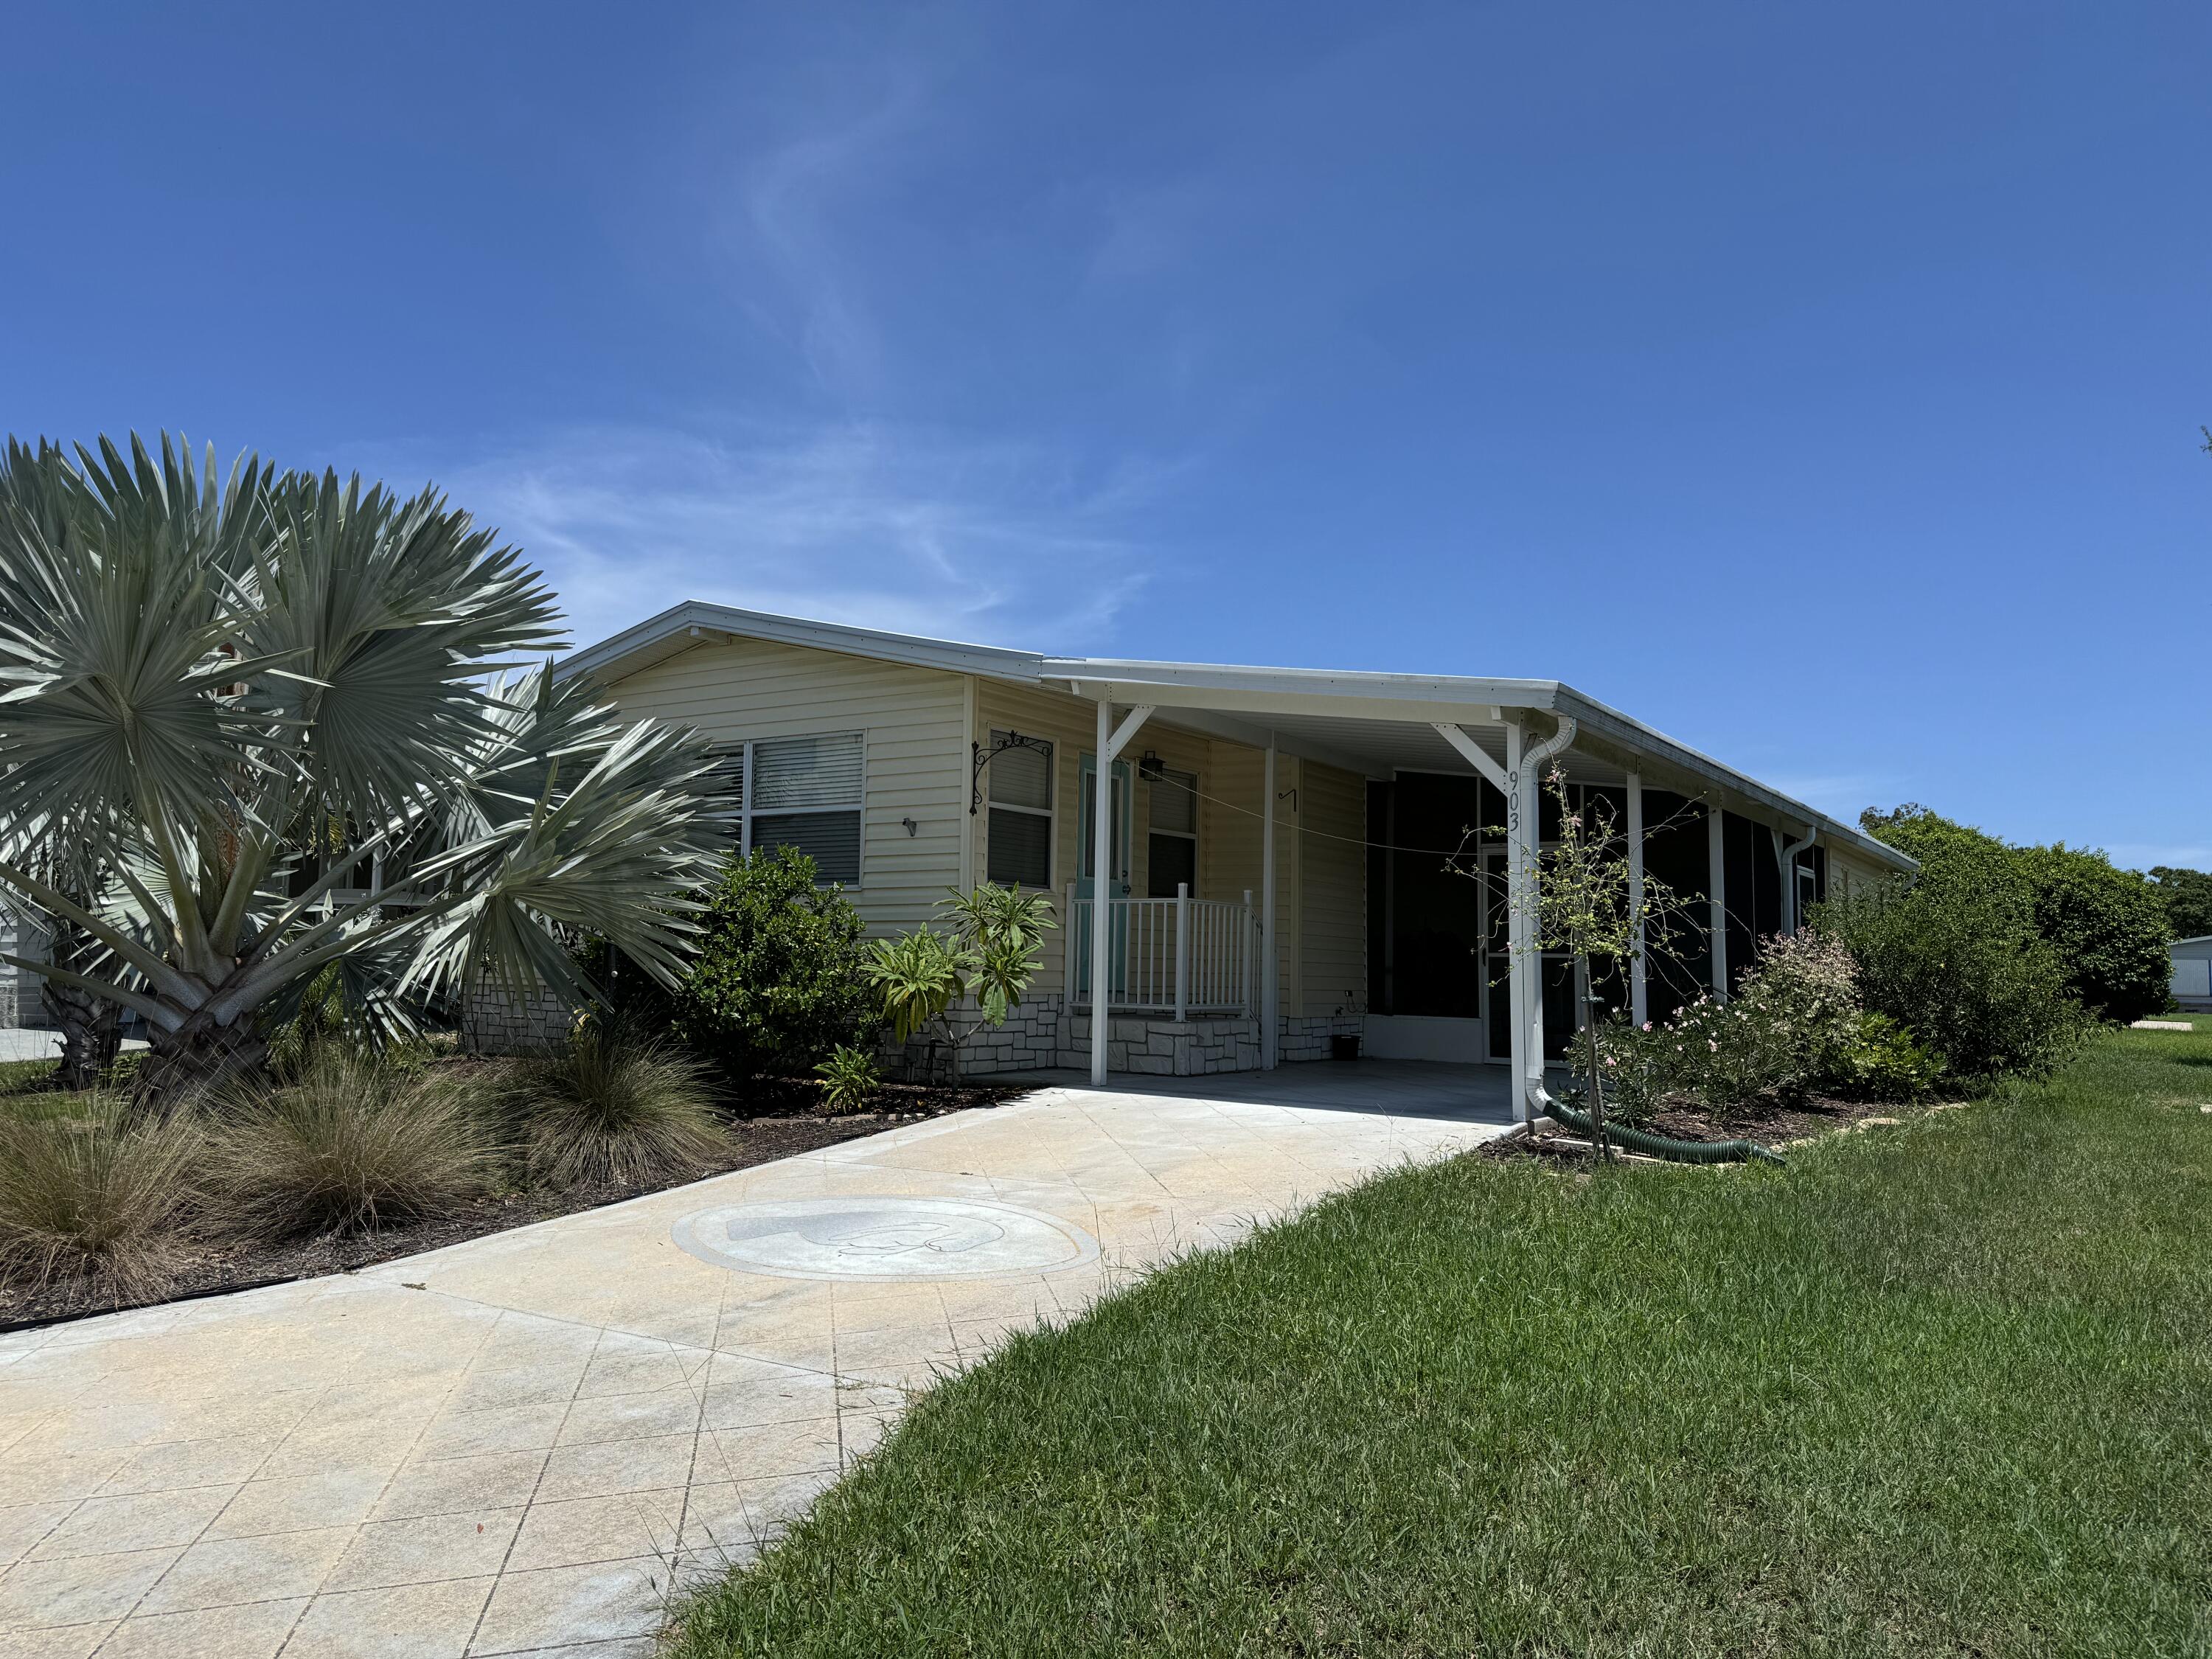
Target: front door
{"x": 1117, "y": 881}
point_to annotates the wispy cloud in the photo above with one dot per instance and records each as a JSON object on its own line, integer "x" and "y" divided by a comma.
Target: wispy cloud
{"x": 858, "y": 522}
{"x": 2146, "y": 855}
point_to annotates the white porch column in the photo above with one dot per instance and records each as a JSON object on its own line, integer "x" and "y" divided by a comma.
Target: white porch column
{"x": 1102, "y": 887}
{"x": 1270, "y": 957}
{"x": 1532, "y": 822}
{"x": 1716, "y": 891}
{"x": 1517, "y": 930}
{"x": 1105, "y": 879}
{"x": 1639, "y": 992}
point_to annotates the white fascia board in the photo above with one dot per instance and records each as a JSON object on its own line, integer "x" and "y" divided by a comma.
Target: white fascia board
{"x": 674, "y": 628}
{"x": 1599, "y": 720}
{"x": 2201, "y": 939}
{"x": 1301, "y": 690}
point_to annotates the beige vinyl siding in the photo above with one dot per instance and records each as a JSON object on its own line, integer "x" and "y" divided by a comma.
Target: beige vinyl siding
{"x": 1229, "y": 785}
{"x": 915, "y": 722}
{"x": 1331, "y": 893}
{"x": 1069, "y": 724}
{"x": 1848, "y": 873}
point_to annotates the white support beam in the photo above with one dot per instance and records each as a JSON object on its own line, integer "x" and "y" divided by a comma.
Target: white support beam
{"x": 1270, "y": 954}
{"x": 1639, "y": 995}
{"x": 1516, "y": 920}
{"x": 1716, "y": 895}
{"x": 1132, "y": 723}
{"x": 1473, "y": 753}
{"x": 1101, "y": 888}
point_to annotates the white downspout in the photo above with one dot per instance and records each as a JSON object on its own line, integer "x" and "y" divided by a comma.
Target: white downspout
{"x": 1786, "y": 856}
{"x": 1524, "y": 825}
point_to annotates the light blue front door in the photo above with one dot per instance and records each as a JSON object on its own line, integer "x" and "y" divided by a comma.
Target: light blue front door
{"x": 1117, "y": 881}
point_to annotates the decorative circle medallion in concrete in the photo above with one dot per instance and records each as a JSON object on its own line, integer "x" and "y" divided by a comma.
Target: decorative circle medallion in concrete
{"x": 883, "y": 1238}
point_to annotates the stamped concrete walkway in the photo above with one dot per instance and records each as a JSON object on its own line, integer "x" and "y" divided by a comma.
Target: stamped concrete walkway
{"x": 524, "y": 1444}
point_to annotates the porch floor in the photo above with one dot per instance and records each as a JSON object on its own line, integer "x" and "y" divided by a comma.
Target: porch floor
{"x": 1401, "y": 1088}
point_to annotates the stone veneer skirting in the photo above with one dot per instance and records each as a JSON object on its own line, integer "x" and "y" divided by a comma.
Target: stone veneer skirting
{"x": 1039, "y": 1035}
{"x": 1044, "y": 1033}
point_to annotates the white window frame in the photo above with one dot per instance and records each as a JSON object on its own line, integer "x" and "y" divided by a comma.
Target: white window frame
{"x": 1189, "y": 835}
{"x": 747, "y": 814}
{"x": 1049, "y": 813}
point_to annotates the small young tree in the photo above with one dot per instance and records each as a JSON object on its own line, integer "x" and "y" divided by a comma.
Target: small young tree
{"x": 1586, "y": 906}
{"x": 991, "y": 953}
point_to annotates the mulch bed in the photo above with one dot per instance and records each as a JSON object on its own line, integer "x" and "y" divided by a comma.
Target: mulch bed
{"x": 1768, "y": 1124}
{"x": 780, "y": 1128}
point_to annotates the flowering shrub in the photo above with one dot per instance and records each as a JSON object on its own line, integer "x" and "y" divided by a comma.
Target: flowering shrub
{"x": 1784, "y": 1033}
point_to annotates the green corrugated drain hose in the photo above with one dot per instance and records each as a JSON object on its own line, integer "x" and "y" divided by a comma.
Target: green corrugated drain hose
{"x": 1665, "y": 1146}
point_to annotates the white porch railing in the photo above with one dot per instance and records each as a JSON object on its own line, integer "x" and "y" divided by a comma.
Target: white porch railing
{"x": 1180, "y": 955}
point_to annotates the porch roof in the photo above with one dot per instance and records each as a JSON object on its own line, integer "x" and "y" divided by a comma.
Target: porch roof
{"x": 1370, "y": 723}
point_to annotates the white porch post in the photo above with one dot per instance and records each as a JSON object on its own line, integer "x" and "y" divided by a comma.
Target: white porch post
{"x": 1531, "y": 815}
{"x": 1638, "y": 994}
{"x": 1112, "y": 740}
{"x": 1102, "y": 885}
{"x": 1182, "y": 952}
{"x": 1517, "y": 930}
{"x": 1270, "y": 963}
{"x": 1716, "y": 891}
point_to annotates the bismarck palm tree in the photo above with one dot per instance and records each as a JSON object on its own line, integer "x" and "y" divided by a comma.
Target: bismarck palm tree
{"x": 271, "y": 720}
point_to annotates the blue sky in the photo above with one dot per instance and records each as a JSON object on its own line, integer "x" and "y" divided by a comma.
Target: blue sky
{"x": 1821, "y": 385}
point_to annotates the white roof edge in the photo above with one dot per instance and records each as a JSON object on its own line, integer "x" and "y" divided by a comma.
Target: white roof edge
{"x": 2195, "y": 938}
{"x": 1601, "y": 719}
{"x": 645, "y": 641}
{"x": 678, "y": 620}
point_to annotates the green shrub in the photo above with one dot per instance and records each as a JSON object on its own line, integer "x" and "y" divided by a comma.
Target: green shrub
{"x": 2108, "y": 926}
{"x": 347, "y": 1143}
{"x": 1772, "y": 1041}
{"x": 614, "y": 1107}
{"x": 1878, "y": 1060}
{"x": 777, "y": 984}
{"x": 94, "y": 1196}
{"x": 1954, "y": 956}
{"x": 849, "y": 1080}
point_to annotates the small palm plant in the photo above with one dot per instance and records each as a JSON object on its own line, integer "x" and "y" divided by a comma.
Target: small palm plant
{"x": 274, "y": 718}
{"x": 990, "y": 955}
{"x": 849, "y": 1079}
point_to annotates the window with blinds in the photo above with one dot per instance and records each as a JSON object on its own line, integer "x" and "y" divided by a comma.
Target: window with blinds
{"x": 1171, "y": 840}
{"x": 1018, "y": 851}
{"x": 805, "y": 793}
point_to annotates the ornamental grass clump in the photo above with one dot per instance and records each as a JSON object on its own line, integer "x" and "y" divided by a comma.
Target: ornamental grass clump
{"x": 94, "y": 1195}
{"x": 615, "y": 1107}
{"x": 346, "y": 1144}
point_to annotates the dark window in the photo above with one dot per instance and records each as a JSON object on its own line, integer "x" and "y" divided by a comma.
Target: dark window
{"x": 1019, "y": 835}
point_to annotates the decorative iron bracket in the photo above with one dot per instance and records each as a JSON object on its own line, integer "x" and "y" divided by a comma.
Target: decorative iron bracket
{"x": 980, "y": 759}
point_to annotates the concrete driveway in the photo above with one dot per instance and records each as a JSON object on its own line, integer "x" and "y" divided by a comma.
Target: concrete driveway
{"x": 527, "y": 1443}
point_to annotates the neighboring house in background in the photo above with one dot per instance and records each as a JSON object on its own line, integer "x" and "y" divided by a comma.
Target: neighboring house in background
{"x": 2192, "y": 972}
{"x": 1276, "y": 843}
{"x": 21, "y": 936}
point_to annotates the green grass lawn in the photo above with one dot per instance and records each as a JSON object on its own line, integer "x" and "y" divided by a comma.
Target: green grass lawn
{"x": 1945, "y": 1388}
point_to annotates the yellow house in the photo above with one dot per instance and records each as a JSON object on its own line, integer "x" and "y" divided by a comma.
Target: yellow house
{"x": 1299, "y": 862}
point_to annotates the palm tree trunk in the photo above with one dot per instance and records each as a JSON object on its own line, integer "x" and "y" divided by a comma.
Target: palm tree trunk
{"x": 91, "y": 1029}
{"x": 198, "y": 1056}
